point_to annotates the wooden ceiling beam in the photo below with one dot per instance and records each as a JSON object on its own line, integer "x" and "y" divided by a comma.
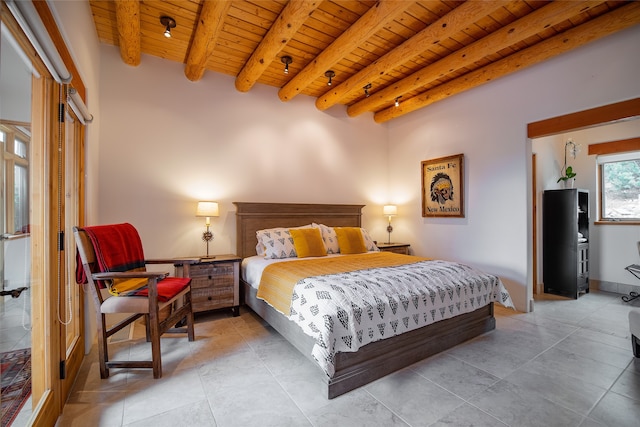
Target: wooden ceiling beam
{"x": 519, "y": 30}
{"x": 607, "y": 114}
{"x": 604, "y": 25}
{"x": 294, "y": 14}
{"x": 207, "y": 31}
{"x": 461, "y": 17}
{"x": 128, "y": 23}
{"x": 373, "y": 20}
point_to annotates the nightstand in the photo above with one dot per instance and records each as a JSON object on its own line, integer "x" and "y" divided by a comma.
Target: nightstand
{"x": 215, "y": 282}
{"x": 398, "y": 248}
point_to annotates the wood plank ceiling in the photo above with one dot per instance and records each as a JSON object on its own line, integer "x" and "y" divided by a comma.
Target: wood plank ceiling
{"x": 416, "y": 52}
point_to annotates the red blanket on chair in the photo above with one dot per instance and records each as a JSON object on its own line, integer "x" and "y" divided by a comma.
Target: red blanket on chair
{"x": 118, "y": 248}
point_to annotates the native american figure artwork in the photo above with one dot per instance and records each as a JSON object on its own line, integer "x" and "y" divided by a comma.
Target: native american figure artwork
{"x": 442, "y": 187}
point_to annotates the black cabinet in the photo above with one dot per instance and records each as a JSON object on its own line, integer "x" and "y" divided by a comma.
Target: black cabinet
{"x": 565, "y": 241}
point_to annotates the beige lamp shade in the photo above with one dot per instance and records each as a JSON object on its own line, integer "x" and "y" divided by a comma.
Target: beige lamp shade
{"x": 207, "y": 209}
{"x": 390, "y": 210}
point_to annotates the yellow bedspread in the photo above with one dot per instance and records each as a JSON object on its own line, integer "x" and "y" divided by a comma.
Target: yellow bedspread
{"x": 278, "y": 280}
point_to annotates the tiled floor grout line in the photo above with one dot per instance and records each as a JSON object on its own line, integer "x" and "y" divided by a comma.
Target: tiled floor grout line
{"x": 388, "y": 408}
{"x": 568, "y": 329}
{"x": 609, "y": 390}
{"x": 577, "y": 329}
{"x": 467, "y": 400}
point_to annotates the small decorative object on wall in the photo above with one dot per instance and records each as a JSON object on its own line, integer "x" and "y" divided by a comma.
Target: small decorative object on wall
{"x": 443, "y": 187}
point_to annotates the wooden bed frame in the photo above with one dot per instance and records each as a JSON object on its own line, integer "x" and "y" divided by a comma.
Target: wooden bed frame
{"x": 374, "y": 360}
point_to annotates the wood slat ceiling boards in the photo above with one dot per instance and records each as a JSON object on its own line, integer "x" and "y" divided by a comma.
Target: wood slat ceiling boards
{"x": 418, "y": 52}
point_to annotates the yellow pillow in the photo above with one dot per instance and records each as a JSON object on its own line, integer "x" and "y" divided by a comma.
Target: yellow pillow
{"x": 350, "y": 240}
{"x": 308, "y": 242}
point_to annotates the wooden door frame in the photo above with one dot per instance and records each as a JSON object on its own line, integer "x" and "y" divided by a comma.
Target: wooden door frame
{"x": 49, "y": 392}
{"x": 534, "y": 225}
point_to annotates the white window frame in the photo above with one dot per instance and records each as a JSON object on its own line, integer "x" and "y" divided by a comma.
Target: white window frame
{"x": 601, "y": 161}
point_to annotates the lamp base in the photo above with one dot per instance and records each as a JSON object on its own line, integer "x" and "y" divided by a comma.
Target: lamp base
{"x": 207, "y": 258}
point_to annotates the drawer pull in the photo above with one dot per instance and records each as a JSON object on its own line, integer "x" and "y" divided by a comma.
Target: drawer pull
{"x": 209, "y": 298}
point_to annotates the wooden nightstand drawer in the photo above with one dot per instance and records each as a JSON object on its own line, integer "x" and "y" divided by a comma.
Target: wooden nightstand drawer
{"x": 214, "y": 283}
{"x": 216, "y": 273}
{"x": 398, "y": 248}
{"x": 204, "y": 299}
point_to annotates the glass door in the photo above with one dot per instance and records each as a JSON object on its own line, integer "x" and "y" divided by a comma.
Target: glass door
{"x": 15, "y": 229}
{"x": 42, "y": 187}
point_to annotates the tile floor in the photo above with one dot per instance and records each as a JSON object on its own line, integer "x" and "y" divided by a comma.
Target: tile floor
{"x": 568, "y": 363}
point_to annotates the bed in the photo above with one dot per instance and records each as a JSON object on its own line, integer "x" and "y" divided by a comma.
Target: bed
{"x": 376, "y": 359}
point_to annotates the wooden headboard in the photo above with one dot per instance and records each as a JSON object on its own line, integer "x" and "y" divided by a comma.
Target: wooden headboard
{"x": 251, "y": 217}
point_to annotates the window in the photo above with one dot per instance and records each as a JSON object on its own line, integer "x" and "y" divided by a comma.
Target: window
{"x": 15, "y": 143}
{"x": 620, "y": 187}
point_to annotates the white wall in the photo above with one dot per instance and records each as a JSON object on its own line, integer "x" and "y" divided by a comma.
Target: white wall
{"x": 167, "y": 142}
{"x": 488, "y": 124}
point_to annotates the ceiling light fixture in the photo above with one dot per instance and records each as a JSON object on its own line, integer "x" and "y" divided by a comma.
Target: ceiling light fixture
{"x": 397, "y": 101}
{"x": 330, "y": 74}
{"x": 168, "y": 23}
{"x": 366, "y": 90}
{"x": 286, "y": 60}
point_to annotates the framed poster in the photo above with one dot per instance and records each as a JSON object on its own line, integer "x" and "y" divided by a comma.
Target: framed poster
{"x": 443, "y": 187}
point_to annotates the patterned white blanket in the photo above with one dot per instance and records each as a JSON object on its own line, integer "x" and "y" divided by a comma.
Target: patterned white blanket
{"x": 345, "y": 311}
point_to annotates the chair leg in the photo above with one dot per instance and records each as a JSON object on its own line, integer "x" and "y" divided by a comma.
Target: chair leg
{"x": 103, "y": 352}
{"x": 154, "y": 332}
{"x": 635, "y": 345}
{"x": 190, "y": 334}
{"x": 147, "y": 331}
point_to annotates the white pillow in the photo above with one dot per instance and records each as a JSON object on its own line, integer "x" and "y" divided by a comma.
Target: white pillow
{"x": 331, "y": 239}
{"x": 368, "y": 241}
{"x": 276, "y": 243}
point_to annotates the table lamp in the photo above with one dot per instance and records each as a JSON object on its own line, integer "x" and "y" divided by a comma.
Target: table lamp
{"x": 390, "y": 210}
{"x": 207, "y": 209}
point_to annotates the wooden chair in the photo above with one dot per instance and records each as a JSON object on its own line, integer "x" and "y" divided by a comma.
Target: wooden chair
{"x": 95, "y": 253}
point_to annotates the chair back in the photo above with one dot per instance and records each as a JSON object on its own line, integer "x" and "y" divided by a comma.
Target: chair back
{"x": 85, "y": 249}
{"x": 111, "y": 248}
{"x": 87, "y": 264}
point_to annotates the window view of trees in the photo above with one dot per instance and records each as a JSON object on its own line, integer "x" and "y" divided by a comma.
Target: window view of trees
{"x": 621, "y": 190}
